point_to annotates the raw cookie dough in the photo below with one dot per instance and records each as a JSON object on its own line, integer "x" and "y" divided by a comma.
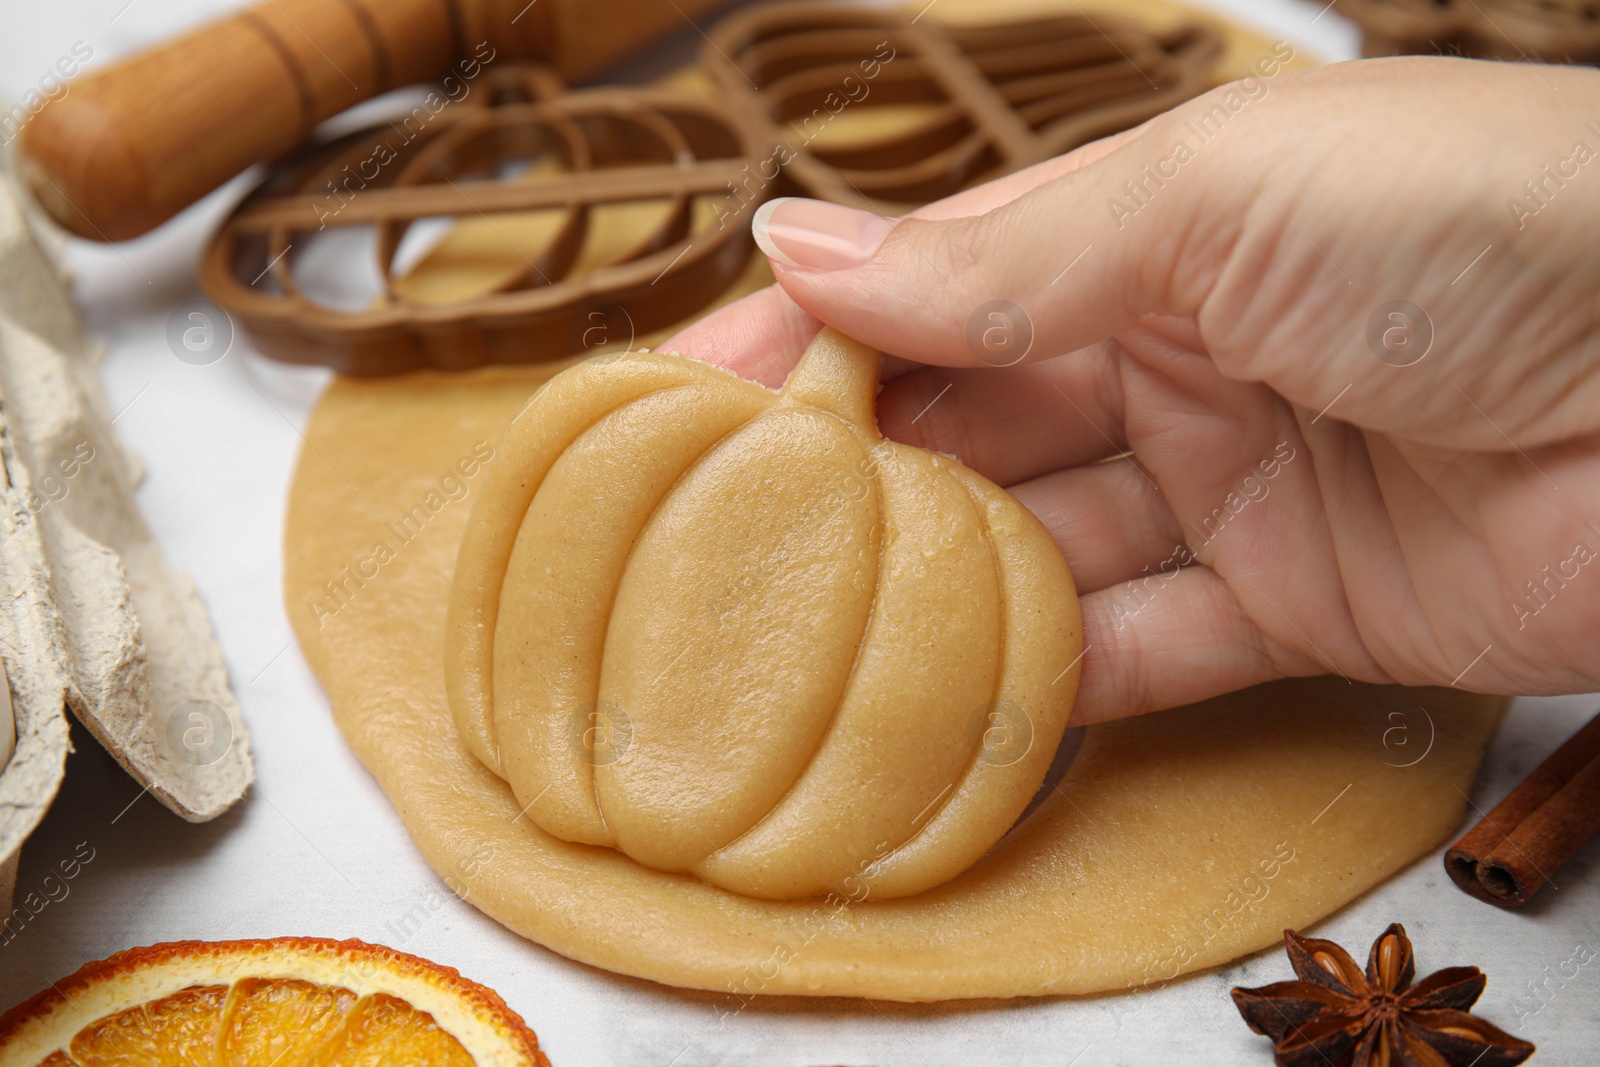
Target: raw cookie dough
{"x": 1175, "y": 842}
{"x": 738, "y": 633}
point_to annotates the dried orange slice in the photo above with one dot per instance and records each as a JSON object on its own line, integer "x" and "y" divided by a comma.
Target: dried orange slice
{"x": 284, "y": 1002}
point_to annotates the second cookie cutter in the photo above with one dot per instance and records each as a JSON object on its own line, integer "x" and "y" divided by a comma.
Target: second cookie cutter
{"x": 1525, "y": 30}
{"x": 987, "y": 98}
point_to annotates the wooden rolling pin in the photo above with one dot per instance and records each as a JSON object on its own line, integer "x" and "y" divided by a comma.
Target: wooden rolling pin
{"x": 126, "y": 149}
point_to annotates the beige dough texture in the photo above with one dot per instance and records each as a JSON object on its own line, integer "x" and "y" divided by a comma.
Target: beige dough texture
{"x": 1173, "y": 842}
{"x": 740, "y": 634}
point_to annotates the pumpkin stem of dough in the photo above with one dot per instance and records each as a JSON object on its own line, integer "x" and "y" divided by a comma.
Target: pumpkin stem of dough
{"x": 839, "y": 375}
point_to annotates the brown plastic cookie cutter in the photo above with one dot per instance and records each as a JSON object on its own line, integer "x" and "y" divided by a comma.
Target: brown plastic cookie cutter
{"x": 536, "y": 165}
{"x": 532, "y": 166}
{"x": 982, "y": 100}
{"x": 1525, "y": 30}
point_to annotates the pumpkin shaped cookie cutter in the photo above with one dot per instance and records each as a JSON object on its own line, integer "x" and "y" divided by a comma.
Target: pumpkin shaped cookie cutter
{"x": 1525, "y": 30}
{"x": 590, "y": 150}
{"x": 995, "y": 97}
{"x": 778, "y": 651}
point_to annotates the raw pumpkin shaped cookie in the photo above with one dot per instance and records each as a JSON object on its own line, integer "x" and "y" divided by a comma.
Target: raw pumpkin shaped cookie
{"x": 738, "y": 633}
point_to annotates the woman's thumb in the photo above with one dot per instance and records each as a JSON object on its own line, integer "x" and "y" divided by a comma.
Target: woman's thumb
{"x": 1058, "y": 268}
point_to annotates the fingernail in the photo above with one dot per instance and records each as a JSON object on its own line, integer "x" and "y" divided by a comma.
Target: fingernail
{"x": 817, "y": 235}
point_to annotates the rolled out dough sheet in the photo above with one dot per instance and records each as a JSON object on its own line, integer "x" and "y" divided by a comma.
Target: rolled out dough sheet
{"x": 1174, "y": 842}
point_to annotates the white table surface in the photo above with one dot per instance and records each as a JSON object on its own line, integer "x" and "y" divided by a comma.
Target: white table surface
{"x": 317, "y": 849}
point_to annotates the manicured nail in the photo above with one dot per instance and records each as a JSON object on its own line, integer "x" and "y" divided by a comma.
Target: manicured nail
{"x": 817, "y": 235}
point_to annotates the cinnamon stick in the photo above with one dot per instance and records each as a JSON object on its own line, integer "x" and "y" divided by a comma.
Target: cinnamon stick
{"x": 1535, "y": 830}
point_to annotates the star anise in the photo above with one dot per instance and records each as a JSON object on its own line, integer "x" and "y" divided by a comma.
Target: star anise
{"x": 1336, "y": 1016}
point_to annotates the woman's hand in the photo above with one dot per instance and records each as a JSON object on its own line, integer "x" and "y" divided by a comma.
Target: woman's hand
{"x": 1347, "y": 323}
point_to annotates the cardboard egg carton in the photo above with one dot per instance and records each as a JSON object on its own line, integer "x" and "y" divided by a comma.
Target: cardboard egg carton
{"x": 92, "y": 617}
